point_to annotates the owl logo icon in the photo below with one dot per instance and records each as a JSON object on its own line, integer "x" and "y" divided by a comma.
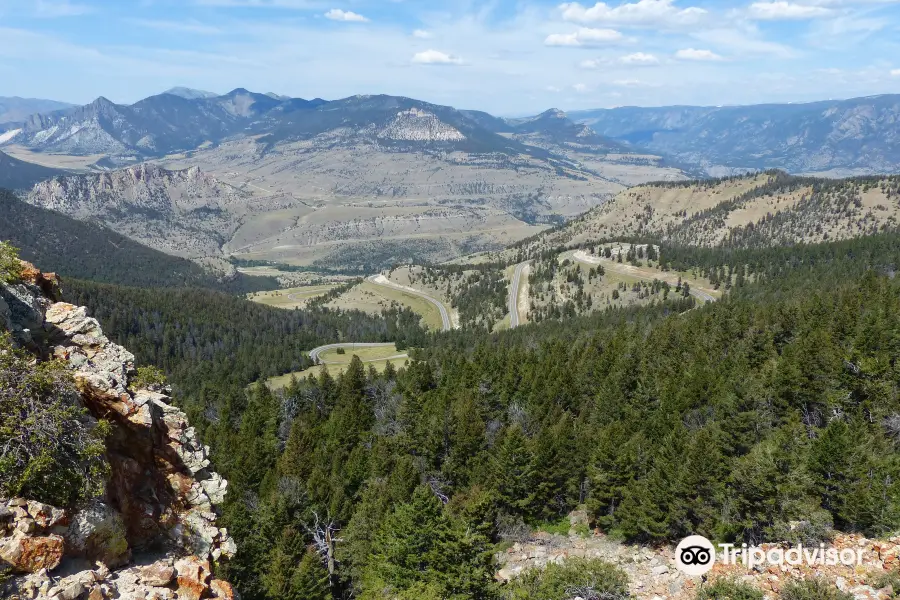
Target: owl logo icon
{"x": 695, "y": 555}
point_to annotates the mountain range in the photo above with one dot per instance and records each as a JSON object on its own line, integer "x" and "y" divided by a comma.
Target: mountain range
{"x": 184, "y": 120}
{"x": 841, "y": 137}
{"x": 835, "y": 137}
{"x": 18, "y": 109}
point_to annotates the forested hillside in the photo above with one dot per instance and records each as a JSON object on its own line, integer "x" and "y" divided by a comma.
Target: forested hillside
{"x": 90, "y": 251}
{"x": 213, "y": 345}
{"x": 737, "y": 420}
{"x": 753, "y": 211}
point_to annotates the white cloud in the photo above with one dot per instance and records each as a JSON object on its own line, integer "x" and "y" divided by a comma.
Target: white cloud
{"x": 436, "y": 57}
{"x": 553, "y": 88}
{"x": 895, "y": 73}
{"x": 422, "y": 34}
{"x": 639, "y": 59}
{"x": 336, "y": 14}
{"x": 786, "y": 11}
{"x": 584, "y": 37}
{"x": 580, "y": 88}
{"x": 694, "y": 54}
{"x": 641, "y": 13}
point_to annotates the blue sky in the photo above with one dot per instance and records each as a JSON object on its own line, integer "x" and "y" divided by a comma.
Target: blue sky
{"x": 507, "y": 57}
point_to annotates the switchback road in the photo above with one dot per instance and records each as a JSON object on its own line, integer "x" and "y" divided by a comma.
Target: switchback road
{"x": 315, "y": 352}
{"x": 445, "y": 315}
{"x": 514, "y": 294}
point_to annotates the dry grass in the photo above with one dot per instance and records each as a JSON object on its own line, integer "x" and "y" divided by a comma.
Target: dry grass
{"x": 376, "y": 357}
{"x": 54, "y": 161}
{"x": 372, "y": 298}
{"x": 290, "y": 298}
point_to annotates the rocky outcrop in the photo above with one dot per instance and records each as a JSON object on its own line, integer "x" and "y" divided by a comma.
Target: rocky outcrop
{"x": 161, "y": 499}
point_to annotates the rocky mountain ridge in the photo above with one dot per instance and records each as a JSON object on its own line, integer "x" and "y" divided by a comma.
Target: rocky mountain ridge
{"x": 152, "y": 533}
{"x": 184, "y": 120}
{"x": 842, "y": 137}
{"x": 184, "y": 212}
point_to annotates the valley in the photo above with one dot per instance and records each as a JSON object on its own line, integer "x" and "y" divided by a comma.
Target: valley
{"x": 444, "y": 355}
{"x": 354, "y": 184}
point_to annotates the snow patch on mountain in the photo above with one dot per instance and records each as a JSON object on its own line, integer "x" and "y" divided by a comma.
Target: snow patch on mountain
{"x": 9, "y": 135}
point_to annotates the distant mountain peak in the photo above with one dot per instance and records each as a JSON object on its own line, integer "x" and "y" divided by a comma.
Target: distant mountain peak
{"x": 190, "y": 93}
{"x": 553, "y": 113}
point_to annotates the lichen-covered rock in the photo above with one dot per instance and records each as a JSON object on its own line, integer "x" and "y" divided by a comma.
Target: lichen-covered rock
{"x": 29, "y": 554}
{"x": 97, "y": 533}
{"x": 159, "y": 574}
{"x": 193, "y": 577}
{"x": 161, "y": 496}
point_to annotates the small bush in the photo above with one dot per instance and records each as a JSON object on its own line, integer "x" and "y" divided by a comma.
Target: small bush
{"x": 888, "y": 578}
{"x": 10, "y": 267}
{"x": 148, "y": 378}
{"x": 50, "y": 450}
{"x": 341, "y": 351}
{"x": 563, "y": 526}
{"x": 813, "y": 589}
{"x": 587, "y": 579}
{"x": 729, "y": 589}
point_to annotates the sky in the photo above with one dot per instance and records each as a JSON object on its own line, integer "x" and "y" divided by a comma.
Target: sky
{"x": 508, "y": 57}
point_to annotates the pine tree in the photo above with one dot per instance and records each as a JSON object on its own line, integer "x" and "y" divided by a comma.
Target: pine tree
{"x": 310, "y": 579}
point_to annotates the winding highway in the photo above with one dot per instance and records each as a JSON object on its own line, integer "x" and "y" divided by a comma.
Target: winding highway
{"x": 384, "y": 281}
{"x": 514, "y": 295}
{"x": 583, "y": 257}
{"x": 315, "y": 352}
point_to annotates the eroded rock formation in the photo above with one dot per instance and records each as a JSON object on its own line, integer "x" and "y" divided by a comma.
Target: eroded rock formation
{"x": 153, "y": 534}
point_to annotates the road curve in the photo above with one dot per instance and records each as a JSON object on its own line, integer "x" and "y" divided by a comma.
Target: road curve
{"x": 315, "y": 352}
{"x": 583, "y": 257}
{"x": 513, "y": 302}
{"x": 445, "y": 315}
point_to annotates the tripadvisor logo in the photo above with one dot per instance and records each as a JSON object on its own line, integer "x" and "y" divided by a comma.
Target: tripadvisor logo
{"x": 695, "y": 555}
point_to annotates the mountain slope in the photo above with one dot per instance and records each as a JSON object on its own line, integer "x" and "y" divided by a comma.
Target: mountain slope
{"x": 856, "y": 136}
{"x": 186, "y": 213}
{"x": 16, "y": 174}
{"x": 555, "y": 127}
{"x": 87, "y": 250}
{"x": 15, "y": 109}
{"x": 762, "y": 210}
{"x": 190, "y": 93}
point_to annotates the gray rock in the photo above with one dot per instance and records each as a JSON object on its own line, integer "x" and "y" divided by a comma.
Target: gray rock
{"x": 97, "y": 533}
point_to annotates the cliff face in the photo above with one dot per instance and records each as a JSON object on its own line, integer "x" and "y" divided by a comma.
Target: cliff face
{"x": 153, "y": 533}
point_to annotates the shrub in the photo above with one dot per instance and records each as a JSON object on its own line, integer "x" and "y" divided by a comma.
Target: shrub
{"x": 812, "y": 589}
{"x": 50, "y": 450}
{"x": 729, "y": 589}
{"x": 10, "y": 267}
{"x": 587, "y": 579}
{"x": 885, "y": 579}
{"x": 149, "y": 378}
